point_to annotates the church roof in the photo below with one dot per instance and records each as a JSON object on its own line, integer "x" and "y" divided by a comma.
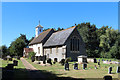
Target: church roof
{"x": 59, "y": 38}
{"x": 27, "y": 50}
{"x": 40, "y": 37}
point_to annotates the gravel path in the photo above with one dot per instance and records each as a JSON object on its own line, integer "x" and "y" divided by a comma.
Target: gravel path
{"x": 27, "y": 64}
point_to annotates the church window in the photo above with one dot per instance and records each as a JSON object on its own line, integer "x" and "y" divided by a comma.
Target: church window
{"x": 74, "y": 44}
{"x": 38, "y": 50}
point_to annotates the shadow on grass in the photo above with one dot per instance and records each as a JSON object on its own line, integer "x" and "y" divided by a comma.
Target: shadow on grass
{"x": 26, "y": 74}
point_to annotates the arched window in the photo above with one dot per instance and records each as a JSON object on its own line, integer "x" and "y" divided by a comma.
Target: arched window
{"x": 74, "y": 44}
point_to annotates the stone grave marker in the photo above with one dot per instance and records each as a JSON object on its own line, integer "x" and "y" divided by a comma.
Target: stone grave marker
{"x": 95, "y": 60}
{"x": 15, "y": 62}
{"x": 118, "y": 69}
{"x": 66, "y": 66}
{"x": 84, "y": 66}
{"x": 109, "y": 70}
{"x": 75, "y": 66}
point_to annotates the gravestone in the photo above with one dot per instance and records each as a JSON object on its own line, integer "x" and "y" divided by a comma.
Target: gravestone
{"x": 15, "y": 62}
{"x": 62, "y": 62}
{"x": 66, "y": 66}
{"x": 99, "y": 60}
{"x": 95, "y": 67}
{"x": 84, "y": 66}
{"x": 55, "y": 59}
{"x": 95, "y": 60}
{"x": 18, "y": 57}
{"x": 76, "y": 66}
{"x": 32, "y": 58}
{"x": 10, "y": 59}
{"x": 108, "y": 77}
{"x": 109, "y": 70}
{"x": 99, "y": 64}
{"x": 10, "y": 66}
{"x": 49, "y": 61}
{"x": 110, "y": 60}
{"x": 118, "y": 69}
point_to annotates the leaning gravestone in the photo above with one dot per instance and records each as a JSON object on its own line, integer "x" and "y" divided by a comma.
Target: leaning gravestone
{"x": 109, "y": 70}
{"x": 15, "y": 62}
{"x": 76, "y": 66}
{"x": 66, "y": 66}
{"x": 108, "y": 77}
{"x": 118, "y": 69}
{"x": 49, "y": 61}
{"x": 95, "y": 60}
{"x": 10, "y": 67}
{"x": 84, "y": 66}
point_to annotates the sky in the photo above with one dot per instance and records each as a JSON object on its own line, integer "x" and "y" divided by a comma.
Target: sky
{"x": 22, "y": 17}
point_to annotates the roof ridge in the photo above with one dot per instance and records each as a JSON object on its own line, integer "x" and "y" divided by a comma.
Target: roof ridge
{"x": 65, "y": 29}
{"x": 39, "y": 35}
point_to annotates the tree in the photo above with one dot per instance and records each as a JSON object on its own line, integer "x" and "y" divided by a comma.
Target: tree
{"x": 17, "y": 46}
{"x": 89, "y": 36}
{"x": 3, "y": 50}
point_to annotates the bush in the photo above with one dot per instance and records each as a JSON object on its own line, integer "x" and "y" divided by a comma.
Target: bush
{"x": 67, "y": 59}
{"x": 31, "y": 54}
{"x": 62, "y": 62}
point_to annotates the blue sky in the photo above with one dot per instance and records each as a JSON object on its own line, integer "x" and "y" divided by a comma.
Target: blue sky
{"x": 23, "y": 17}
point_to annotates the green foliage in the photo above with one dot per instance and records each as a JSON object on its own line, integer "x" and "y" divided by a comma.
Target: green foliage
{"x": 103, "y": 42}
{"x": 3, "y": 50}
{"x": 17, "y": 46}
{"x": 68, "y": 59}
{"x": 30, "y": 54}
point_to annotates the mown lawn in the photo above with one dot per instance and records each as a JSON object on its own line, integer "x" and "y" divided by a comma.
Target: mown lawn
{"x": 5, "y": 62}
{"x": 89, "y": 73}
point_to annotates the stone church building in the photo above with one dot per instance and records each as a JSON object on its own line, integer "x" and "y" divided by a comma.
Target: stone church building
{"x": 60, "y": 44}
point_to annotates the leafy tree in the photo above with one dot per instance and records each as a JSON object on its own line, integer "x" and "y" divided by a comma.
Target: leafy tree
{"x": 30, "y": 54}
{"x": 3, "y": 50}
{"x": 17, "y": 46}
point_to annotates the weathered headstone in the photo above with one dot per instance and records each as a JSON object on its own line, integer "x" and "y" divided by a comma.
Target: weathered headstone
{"x": 15, "y": 62}
{"x": 99, "y": 64}
{"x": 99, "y": 60}
{"x": 84, "y": 66}
{"x": 95, "y": 60}
{"x": 66, "y": 66}
{"x": 62, "y": 62}
{"x": 32, "y": 58}
{"x": 18, "y": 57}
{"x": 118, "y": 69}
{"x": 49, "y": 61}
{"x": 76, "y": 66}
{"x": 55, "y": 59}
{"x": 10, "y": 66}
{"x": 95, "y": 67}
{"x": 109, "y": 70}
{"x": 108, "y": 77}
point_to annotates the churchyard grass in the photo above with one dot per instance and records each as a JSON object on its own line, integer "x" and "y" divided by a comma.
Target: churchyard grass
{"x": 5, "y": 62}
{"x": 89, "y": 73}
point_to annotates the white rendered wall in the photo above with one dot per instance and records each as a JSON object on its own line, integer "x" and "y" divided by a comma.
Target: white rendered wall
{"x": 37, "y": 31}
{"x": 35, "y": 48}
{"x": 60, "y": 55}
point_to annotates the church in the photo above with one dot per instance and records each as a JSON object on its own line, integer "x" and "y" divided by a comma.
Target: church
{"x": 57, "y": 44}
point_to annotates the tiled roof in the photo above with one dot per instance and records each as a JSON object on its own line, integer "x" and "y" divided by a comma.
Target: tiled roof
{"x": 40, "y": 37}
{"x": 27, "y": 50}
{"x": 59, "y": 38}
